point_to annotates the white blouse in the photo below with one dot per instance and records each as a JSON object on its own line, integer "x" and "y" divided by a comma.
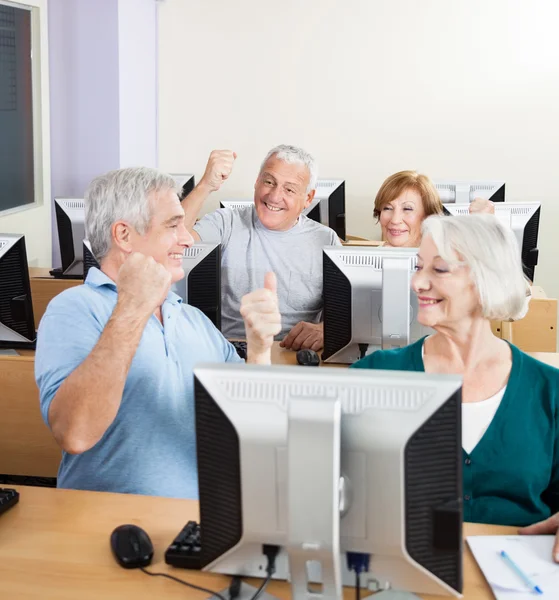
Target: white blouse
{"x": 476, "y": 416}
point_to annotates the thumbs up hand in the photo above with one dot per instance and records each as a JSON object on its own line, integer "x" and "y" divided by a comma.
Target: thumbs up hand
{"x": 260, "y": 312}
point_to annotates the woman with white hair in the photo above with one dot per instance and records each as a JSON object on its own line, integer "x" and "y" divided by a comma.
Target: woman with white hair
{"x": 469, "y": 272}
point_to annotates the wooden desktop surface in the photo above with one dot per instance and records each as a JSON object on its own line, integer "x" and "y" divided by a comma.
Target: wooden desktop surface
{"x": 55, "y": 544}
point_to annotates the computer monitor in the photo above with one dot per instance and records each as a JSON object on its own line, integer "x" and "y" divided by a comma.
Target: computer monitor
{"x": 368, "y": 303}
{"x": 457, "y": 192}
{"x": 236, "y": 203}
{"x": 201, "y": 285}
{"x": 322, "y": 462}
{"x": 327, "y": 206}
{"x": 184, "y": 183}
{"x": 17, "y": 324}
{"x": 89, "y": 259}
{"x": 524, "y": 220}
{"x": 70, "y": 214}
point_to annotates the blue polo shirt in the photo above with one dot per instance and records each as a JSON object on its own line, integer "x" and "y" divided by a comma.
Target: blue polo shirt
{"x": 150, "y": 448}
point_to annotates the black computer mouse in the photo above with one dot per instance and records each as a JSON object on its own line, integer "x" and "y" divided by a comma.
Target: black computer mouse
{"x": 131, "y": 546}
{"x": 308, "y": 358}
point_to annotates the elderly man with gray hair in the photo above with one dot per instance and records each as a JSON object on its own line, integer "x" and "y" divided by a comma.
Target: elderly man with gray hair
{"x": 273, "y": 235}
{"x": 115, "y": 356}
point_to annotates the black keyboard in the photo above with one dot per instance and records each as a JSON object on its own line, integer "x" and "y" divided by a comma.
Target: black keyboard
{"x": 185, "y": 551}
{"x": 241, "y": 348}
{"x": 8, "y": 498}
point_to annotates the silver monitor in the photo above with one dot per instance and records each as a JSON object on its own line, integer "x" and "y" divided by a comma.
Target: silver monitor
{"x": 236, "y": 203}
{"x": 201, "y": 284}
{"x": 184, "y": 183}
{"x": 70, "y": 213}
{"x": 321, "y": 462}
{"x": 451, "y": 191}
{"x": 368, "y": 303}
{"x": 327, "y": 206}
{"x": 17, "y": 324}
{"x": 524, "y": 220}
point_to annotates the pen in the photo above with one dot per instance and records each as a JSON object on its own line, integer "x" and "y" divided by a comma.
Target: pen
{"x": 520, "y": 572}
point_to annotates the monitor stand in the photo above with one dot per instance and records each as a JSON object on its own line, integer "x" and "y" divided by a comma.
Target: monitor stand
{"x": 392, "y": 595}
{"x": 246, "y": 593}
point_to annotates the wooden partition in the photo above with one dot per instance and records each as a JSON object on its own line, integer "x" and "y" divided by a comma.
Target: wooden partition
{"x": 27, "y": 446}
{"x": 44, "y": 288}
{"x": 537, "y": 331}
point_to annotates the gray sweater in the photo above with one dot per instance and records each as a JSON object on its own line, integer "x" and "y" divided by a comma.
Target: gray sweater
{"x": 249, "y": 250}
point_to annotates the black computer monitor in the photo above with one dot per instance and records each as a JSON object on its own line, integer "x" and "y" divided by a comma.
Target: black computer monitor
{"x": 185, "y": 184}
{"x": 318, "y": 463}
{"x": 201, "y": 285}
{"x": 70, "y": 214}
{"x": 462, "y": 192}
{"x": 89, "y": 259}
{"x": 328, "y": 205}
{"x": 368, "y": 303}
{"x": 524, "y": 220}
{"x": 17, "y": 324}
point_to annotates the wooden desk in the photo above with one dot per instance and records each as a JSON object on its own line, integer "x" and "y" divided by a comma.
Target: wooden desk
{"x": 537, "y": 331}
{"x": 44, "y": 287}
{"x": 281, "y": 356}
{"x": 55, "y": 544}
{"x": 27, "y": 446}
{"x": 26, "y": 443}
{"x": 355, "y": 241}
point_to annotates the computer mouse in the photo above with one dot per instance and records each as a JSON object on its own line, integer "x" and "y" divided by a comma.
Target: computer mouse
{"x": 131, "y": 546}
{"x": 308, "y": 358}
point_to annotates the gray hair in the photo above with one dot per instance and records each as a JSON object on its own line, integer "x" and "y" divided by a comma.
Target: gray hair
{"x": 124, "y": 194}
{"x": 491, "y": 252}
{"x": 295, "y": 155}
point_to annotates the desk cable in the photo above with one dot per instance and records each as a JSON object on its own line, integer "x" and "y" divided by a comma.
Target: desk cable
{"x": 271, "y": 552}
{"x": 191, "y": 585}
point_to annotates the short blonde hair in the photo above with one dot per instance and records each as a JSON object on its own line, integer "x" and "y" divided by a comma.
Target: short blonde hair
{"x": 396, "y": 184}
{"x": 491, "y": 252}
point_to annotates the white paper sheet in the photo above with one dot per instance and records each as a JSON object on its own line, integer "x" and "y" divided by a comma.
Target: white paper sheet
{"x": 532, "y": 553}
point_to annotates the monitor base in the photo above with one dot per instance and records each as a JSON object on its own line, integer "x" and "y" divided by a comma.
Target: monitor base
{"x": 246, "y": 593}
{"x": 58, "y": 273}
{"x": 392, "y": 595}
{"x": 11, "y": 345}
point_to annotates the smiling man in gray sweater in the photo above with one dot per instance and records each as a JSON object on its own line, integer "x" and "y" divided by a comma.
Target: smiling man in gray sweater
{"x": 271, "y": 235}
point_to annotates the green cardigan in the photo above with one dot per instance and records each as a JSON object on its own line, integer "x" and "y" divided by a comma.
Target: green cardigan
{"x": 512, "y": 475}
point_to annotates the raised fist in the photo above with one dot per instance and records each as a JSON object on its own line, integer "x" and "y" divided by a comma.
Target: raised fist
{"x": 218, "y": 169}
{"x": 143, "y": 283}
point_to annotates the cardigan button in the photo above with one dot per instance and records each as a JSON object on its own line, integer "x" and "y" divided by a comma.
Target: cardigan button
{"x": 466, "y": 497}
{"x": 468, "y": 461}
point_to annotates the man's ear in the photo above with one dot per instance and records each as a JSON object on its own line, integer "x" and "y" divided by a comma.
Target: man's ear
{"x": 122, "y": 236}
{"x": 310, "y": 197}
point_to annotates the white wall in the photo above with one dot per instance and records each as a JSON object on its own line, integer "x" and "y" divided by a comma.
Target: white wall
{"x": 34, "y": 221}
{"x": 137, "y": 66}
{"x": 455, "y": 89}
{"x": 103, "y": 91}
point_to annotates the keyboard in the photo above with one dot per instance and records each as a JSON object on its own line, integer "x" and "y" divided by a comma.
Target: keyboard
{"x": 241, "y": 348}
{"x": 185, "y": 551}
{"x": 8, "y": 498}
